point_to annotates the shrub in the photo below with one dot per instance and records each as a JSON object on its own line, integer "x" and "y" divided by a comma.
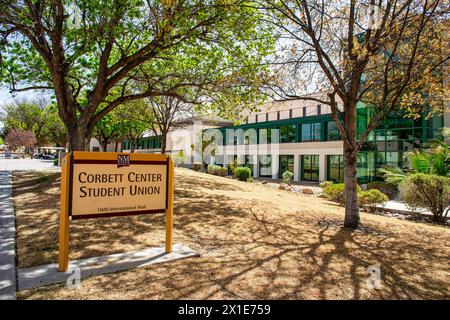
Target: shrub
{"x": 55, "y": 162}
{"x": 243, "y": 173}
{"x": 389, "y": 189}
{"x": 217, "y": 170}
{"x": 372, "y": 198}
{"x": 212, "y": 169}
{"x": 325, "y": 184}
{"x": 287, "y": 176}
{"x": 197, "y": 166}
{"x": 428, "y": 191}
{"x": 179, "y": 158}
{"x": 233, "y": 166}
{"x": 221, "y": 171}
{"x": 336, "y": 192}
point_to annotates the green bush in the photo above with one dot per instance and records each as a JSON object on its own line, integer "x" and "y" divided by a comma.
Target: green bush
{"x": 326, "y": 184}
{"x": 213, "y": 169}
{"x": 388, "y": 189}
{"x": 243, "y": 173}
{"x": 427, "y": 191}
{"x": 221, "y": 171}
{"x": 371, "y": 198}
{"x": 55, "y": 162}
{"x": 233, "y": 165}
{"x": 336, "y": 192}
{"x": 287, "y": 176}
{"x": 217, "y": 170}
{"x": 179, "y": 158}
{"x": 197, "y": 166}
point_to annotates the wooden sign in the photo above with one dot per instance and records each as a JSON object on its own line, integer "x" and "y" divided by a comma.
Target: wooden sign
{"x": 107, "y": 184}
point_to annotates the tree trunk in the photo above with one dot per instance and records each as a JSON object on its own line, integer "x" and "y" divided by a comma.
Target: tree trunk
{"x": 163, "y": 143}
{"x": 105, "y": 145}
{"x": 78, "y": 139}
{"x": 351, "y": 219}
{"x": 351, "y": 191}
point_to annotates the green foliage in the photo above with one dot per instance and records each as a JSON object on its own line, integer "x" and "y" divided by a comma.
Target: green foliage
{"x": 428, "y": 191}
{"x": 233, "y": 165}
{"x": 179, "y": 158}
{"x": 55, "y": 162}
{"x": 287, "y": 176}
{"x": 217, "y": 170}
{"x": 420, "y": 162}
{"x": 222, "y": 171}
{"x": 37, "y": 117}
{"x": 197, "y": 166}
{"x": 371, "y": 198}
{"x": 131, "y": 121}
{"x": 113, "y": 52}
{"x": 392, "y": 174}
{"x": 112, "y": 127}
{"x": 243, "y": 173}
{"x": 435, "y": 159}
{"x": 326, "y": 184}
{"x": 389, "y": 189}
{"x": 336, "y": 192}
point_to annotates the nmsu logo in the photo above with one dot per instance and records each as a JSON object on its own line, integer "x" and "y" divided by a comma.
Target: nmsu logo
{"x": 123, "y": 160}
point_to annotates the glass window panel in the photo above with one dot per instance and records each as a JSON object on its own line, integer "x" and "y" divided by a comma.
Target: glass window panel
{"x": 317, "y": 131}
{"x": 335, "y": 168}
{"x": 310, "y": 167}
{"x": 306, "y": 132}
{"x": 265, "y": 166}
{"x": 286, "y": 163}
{"x": 333, "y": 133}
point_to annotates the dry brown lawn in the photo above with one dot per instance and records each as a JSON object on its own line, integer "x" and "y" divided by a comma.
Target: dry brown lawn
{"x": 255, "y": 243}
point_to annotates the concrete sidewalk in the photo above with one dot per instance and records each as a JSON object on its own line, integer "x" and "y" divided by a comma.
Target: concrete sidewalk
{"x": 84, "y": 268}
{"x": 7, "y": 238}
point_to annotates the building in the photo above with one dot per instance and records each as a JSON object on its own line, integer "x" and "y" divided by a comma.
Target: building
{"x": 310, "y": 146}
{"x": 181, "y": 138}
{"x": 301, "y": 136}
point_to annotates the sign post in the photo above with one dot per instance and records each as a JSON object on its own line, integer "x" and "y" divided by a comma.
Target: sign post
{"x": 107, "y": 184}
{"x": 169, "y": 212}
{"x": 64, "y": 216}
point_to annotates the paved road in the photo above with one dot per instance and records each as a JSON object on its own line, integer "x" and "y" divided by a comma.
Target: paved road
{"x": 7, "y": 219}
{"x": 7, "y": 234}
{"x": 27, "y": 164}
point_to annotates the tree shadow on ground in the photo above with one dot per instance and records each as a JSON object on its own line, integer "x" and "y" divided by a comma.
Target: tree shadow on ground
{"x": 249, "y": 250}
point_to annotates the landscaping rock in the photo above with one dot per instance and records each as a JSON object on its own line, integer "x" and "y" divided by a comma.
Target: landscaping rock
{"x": 284, "y": 186}
{"x": 308, "y": 191}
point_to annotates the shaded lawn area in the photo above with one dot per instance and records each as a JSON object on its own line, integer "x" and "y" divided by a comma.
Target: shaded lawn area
{"x": 255, "y": 243}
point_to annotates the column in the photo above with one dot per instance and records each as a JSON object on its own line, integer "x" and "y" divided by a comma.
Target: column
{"x": 297, "y": 167}
{"x": 275, "y": 164}
{"x": 322, "y": 167}
{"x": 255, "y": 165}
